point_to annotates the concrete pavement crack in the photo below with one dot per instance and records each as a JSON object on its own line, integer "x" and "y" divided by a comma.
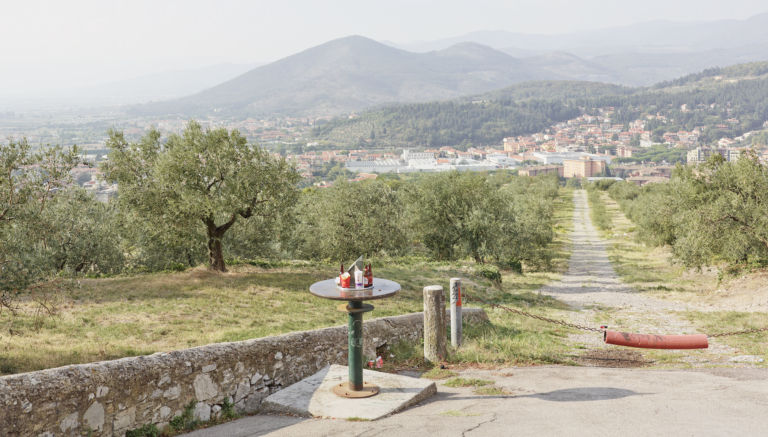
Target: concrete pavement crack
{"x": 464, "y": 433}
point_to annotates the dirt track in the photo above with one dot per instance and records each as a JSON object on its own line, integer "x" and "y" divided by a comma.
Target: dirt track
{"x": 591, "y": 284}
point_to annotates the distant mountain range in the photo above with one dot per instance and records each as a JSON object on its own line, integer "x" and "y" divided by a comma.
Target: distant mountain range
{"x": 644, "y": 69}
{"x": 644, "y": 37}
{"x": 353, "y": 73}
{"x": 349, "y": 74}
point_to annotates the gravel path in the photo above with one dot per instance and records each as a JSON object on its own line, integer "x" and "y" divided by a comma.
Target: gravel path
{"x": 591, "y": 284}
{"x": 590, "y": 278}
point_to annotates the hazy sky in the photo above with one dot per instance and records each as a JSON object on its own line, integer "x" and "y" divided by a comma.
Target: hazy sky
{"x": 86, "y": 42}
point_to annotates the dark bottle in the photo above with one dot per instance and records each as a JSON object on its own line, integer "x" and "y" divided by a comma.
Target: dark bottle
{"x": 370, "y": 275}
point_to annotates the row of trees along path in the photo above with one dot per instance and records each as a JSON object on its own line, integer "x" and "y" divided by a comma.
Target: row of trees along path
{"x": 590, "y": 283}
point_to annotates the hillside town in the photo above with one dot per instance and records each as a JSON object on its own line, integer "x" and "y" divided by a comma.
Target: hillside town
{"x": 584, "y": 147}
{"x": 587, "y": 146}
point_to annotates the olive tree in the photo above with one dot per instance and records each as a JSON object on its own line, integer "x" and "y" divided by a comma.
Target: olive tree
{"x": 727, "y": 214}
{"x": 463, "y": 214}
{"x": 199, "y": 183}
{"x": 711, "y": 213}
{"x": 349, "y": 220}
{"x": 76, "y": 234}
{"x": 29, "y": 181}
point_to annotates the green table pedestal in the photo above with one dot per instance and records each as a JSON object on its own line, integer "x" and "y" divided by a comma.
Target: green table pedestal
{"x": 356, "y": 387}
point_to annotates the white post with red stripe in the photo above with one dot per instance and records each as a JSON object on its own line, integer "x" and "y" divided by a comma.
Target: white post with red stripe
{"x": 455, "y": 312}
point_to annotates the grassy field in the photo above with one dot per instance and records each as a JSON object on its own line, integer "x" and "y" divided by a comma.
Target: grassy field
{"x": 139, "y": 315}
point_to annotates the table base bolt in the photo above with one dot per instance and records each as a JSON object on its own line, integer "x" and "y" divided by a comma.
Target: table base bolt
{"x": 344, "y": 390}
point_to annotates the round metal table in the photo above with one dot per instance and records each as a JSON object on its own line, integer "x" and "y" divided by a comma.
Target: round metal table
{"x": 355, "y": 308}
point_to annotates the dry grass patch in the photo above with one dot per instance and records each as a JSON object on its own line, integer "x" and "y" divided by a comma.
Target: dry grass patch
{"x": 130, "y": 316}
{"x": 716, "y": 322}
{"x": 490, "y": 391}
{"x": 438, "y": 373}
{"x": 462, "y": 382}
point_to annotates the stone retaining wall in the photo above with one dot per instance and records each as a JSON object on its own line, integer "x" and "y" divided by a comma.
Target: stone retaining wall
{"x": 112, "y": 397}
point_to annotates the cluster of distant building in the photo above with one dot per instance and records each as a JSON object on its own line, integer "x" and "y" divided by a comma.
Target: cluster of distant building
{"x": 566, "y": 164}
{"x": 101, "y": 189}
{"x": 564, "y": 148}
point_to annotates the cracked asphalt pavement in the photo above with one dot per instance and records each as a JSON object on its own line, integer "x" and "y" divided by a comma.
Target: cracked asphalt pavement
{"x": 559, "y": 401}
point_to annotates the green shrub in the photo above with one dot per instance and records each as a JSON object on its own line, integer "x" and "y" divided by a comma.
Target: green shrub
{"x": 177, "y": 267}
{"x": 186, "y": 420}
{"x": 148, "y": 430}
{"x": 489, "y": 272}
{"x": 574, "y": 183}
{"x": 603, "y": 184}
{"x": 513, "y": 265}
{"x": 599, "y": 215}
{"x": 228, "y": 410}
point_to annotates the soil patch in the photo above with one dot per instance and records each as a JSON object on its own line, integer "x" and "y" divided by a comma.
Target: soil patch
{"x": 622, "y": 358}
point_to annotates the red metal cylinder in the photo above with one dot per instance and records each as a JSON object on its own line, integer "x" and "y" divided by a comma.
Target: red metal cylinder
{"x": 656, "y": 341}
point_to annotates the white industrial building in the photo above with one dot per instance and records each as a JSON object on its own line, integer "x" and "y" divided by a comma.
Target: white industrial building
{"x": 558, "y": 157}
{"x": 427, "y": 165}
{"x": 476, "y": 166}
{"x": 503, "y": 160}
{"x": 408, "y": 155}
{"x": 382, "y": 166}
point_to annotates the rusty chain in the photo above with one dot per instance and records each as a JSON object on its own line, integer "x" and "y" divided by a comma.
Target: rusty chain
{"x": 586, "y": 328}
{"x": 533, "y": 316}
{"x": 748, "y": 331}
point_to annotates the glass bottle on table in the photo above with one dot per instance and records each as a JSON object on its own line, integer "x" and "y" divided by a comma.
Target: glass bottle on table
{"x": 370, "y": 275}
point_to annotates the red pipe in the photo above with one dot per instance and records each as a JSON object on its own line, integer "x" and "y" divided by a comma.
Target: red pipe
{"x": 656, "y": 341}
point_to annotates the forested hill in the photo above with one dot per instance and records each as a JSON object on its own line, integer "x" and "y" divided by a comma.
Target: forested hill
{"x": 487, "y": 122}
{"x": 749, "y": 69}
{"x": 556, "y": 89}
{"x": 741, "y": 106}
{"x": 481, "y": 119}
{"x": 437, "y": 124}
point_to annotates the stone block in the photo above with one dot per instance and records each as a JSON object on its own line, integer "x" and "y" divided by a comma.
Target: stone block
{"x": 202, "y": 412}
{"x": 313, "y": 396}
{"x": 205, "y": 388}
{"x": 70, "y": 422}
{"x": 172, "y": 393}
{"x": 124, "y": 419}
{"x": 243, "y": 389}
{"x": 94, "y": 417}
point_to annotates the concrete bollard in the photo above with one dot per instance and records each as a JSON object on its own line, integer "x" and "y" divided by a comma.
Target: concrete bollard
{"x": 435, "y": 339}
{"x": 456, "y": 312}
